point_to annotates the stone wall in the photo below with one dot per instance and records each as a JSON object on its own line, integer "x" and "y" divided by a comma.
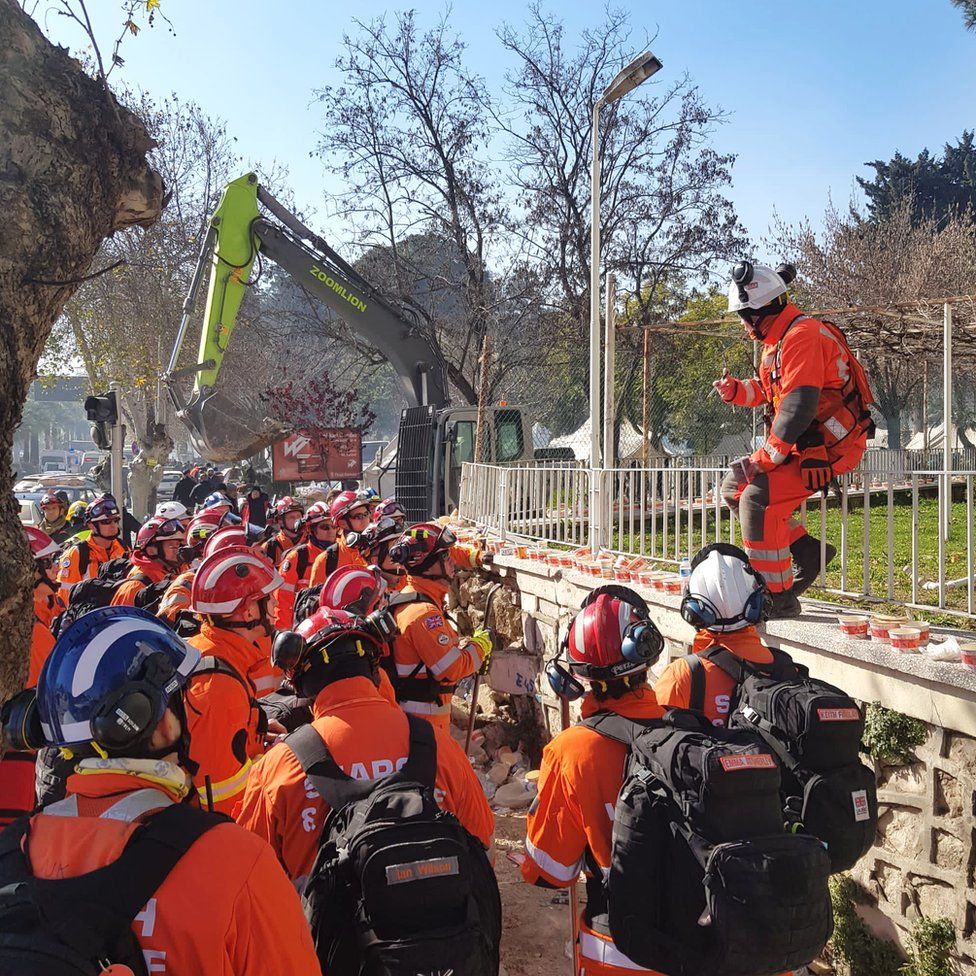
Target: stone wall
{"x": 923, "y": 861}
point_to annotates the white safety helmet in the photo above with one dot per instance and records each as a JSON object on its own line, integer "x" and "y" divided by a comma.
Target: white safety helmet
{"x": 754, "y": 286}
{"x": 171, "y": 510}
{"x": 724, "y": 592}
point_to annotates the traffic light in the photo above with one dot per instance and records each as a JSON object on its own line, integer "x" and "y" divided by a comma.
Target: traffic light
{"x": 102, "y": 411}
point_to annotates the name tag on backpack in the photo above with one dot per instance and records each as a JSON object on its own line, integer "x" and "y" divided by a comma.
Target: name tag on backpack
{"x": 838, "y": 714}
{"x": 861, "y": 809}
{"x": 437, "y": 867}
{"x": 761, "y": 761}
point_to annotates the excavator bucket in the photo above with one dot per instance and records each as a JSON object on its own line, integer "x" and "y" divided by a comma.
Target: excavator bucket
{"x": 225, "y": 430}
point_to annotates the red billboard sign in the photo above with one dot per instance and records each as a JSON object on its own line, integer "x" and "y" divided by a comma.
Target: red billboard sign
{"x": 328, "y": 455}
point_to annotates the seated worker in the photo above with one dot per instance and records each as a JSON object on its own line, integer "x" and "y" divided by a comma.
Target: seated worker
{"x": 200, "y": 894}
{"x": 231, "y": 591}
{"x": 610, "y": 646}
{"x": 725, "y": 601}
{"x": 154, "y": 558}
{"x": 429, "y": 656}
{"x": 350, "y": 515}
{"x": 82, "y": 560}
{"x": 334, "y": 662}
{"x": 296, "y": 566}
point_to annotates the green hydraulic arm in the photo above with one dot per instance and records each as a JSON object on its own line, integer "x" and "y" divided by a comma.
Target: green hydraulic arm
{"x": 238, "y": 231}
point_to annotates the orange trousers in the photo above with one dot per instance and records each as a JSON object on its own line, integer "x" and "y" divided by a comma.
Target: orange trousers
{"x": 765, "y": 506}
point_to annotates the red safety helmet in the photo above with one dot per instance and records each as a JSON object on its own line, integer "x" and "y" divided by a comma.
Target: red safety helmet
{"x": 390, "y": 508}
{"x": 42, "y": 546}
{"x": 352, "y": 588}
{"x": 224, "y": 538}
{"x": 319, "y": 512}
{"x": 101, "y": 508}
{"x": 344, "y": 503}
{"x": 159, "y": 529}
{"x": 422, "y": 545}
{"x": 285, "y": 505}
{"x": 228, "y": 579}
{"x": 612, "y": 636}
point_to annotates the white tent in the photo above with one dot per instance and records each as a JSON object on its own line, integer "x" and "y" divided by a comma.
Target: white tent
{"x": 936, "y": 439}
{"x": 630, "y": 444}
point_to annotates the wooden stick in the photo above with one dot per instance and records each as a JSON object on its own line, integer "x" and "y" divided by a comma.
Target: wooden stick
{"x": 573, "y": 902}
{"x": 482, "y": 396}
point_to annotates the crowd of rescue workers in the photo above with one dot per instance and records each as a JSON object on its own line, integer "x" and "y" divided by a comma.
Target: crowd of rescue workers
{"x": 233, "y": 753}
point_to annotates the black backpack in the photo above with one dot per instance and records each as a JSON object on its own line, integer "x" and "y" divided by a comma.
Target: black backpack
{"x": 70, "y": 926}
{"x": 815, "y": 731}
{"x": 90, "y": 594}
{"x": 399, "y": 887}
{"x": 704, "y": 881}
{"x": 151, "y": 596}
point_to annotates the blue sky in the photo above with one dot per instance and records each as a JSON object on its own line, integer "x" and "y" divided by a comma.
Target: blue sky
{"x": 814, "y": 89}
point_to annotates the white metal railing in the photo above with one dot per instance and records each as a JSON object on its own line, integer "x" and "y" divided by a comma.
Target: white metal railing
{"x": 903, "y": 536}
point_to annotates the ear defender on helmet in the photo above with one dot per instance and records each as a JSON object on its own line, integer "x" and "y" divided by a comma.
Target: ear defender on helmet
{"x": 642, "y": 642}
{"x": 288, "y": 651}
{"x": 702, "y": 614}
{"x": 129, "y": 716}
{"x": 563, "y": 683}
{"x": 742, "y": 274}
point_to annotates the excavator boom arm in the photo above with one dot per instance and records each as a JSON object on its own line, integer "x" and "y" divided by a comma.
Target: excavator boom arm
{"x": 238, "y": 232}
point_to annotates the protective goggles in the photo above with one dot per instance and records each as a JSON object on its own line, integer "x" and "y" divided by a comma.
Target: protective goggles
{"x": 170, "y": 529}
{"x": 102, "y": 511}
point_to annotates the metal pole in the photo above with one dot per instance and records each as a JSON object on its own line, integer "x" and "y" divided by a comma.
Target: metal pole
{"x": 947, "y": 438}
{"x": 645, "y": 401}
{"x": 117, "y": 446}
{"x": 925, "y": 408}
{"x": 609, "y": 366}
{"x": 596, "y": 461}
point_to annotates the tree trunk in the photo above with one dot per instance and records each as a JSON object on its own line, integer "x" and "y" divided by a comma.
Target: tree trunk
{"x": 72, "y": 171}
{"x": 155, "y": 447}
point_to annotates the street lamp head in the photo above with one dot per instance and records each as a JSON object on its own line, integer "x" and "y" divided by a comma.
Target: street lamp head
{"x": 637, "y": 72}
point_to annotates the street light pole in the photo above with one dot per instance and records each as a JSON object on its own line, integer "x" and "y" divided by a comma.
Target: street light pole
{"x": 638, "y": 71}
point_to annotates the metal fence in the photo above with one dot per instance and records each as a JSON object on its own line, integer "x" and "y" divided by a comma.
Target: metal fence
{"x": 902, "y": 535}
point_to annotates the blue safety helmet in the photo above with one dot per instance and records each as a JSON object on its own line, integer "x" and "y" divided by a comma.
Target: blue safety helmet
{"x": 217, "y": 498}
{"x": 109, "y": 679}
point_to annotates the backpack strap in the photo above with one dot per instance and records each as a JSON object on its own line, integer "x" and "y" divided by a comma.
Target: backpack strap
{"x": 211, "y": 664}
{"x": 301, "y": 561}
{"x": 401, "y": 599}
{"x": 696, "y": 671}
{"x": 337, "y": 789}
{"x": 92, "y": 911}
{"x": 613, "y": 726}
{"x": 84, "y": 557}
{"x": 331, "y": 559}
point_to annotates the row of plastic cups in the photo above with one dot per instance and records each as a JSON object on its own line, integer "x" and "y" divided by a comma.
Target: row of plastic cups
{"x": 902, "y": 633}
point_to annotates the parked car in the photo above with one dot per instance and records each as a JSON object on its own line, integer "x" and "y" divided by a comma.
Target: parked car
{"x": 164, "y": 493}
{"x": 29, "y": 492}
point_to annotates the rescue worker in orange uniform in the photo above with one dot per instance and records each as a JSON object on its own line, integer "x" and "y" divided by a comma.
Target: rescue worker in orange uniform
{"x": 817, "y": 397}
{"x": 82, "y": 560}
{"x": 286, "y": 514}
{"x": 177, "y": 597}
{"x": 155, "y": 557}
{"x": 225, "y": 908}
{"x": 374, "y": 544}
{"x": 47, "y": 602}
{"x": 724, "y": 603}
{"x": 610, "y": 646}
{"x": 231, "y": 591}
{"x": 296, "y": 566}
{"x": 429, "y": 656}
{"x": 350, "y": 515}
{"x": 333, "y": 660}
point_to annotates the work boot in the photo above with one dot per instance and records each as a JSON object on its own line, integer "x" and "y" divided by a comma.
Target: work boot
{"x": 783, "y": 606}
{"x": 806, "y": 561}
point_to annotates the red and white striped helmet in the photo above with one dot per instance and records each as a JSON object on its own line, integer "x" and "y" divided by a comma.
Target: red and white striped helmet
{"x": 353, "y": 589}
{"x": 225, "y": 538}
{"x": 228, "y": 579}
{"x": 344, "y": 503}
{"x": 42, "y": 546}
{"x": 319, "y": 512}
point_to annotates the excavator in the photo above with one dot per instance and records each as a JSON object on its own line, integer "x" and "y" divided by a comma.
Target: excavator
{"x": 434, "y": 440}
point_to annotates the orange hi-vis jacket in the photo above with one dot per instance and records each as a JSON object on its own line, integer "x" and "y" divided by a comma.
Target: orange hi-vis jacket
{"x": 673, "y": 688}
{"x": 296, "y": 571}
{"x": 346, "y": 556}
{"x": 69, "y": 566}
{"x": 806, "y": 366}
{"x": 177, "y": 596}
{"x": 570, "y": 823}
{"x": 225, "y": 723}
{"x": 368, "y": 737}
{"x": 429, "y": 651}
{"x": 226, "y": 908}
{"x": 135, "y": 583}
{"x": 47, "y": 605}
{"x": 276, "y": 547}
